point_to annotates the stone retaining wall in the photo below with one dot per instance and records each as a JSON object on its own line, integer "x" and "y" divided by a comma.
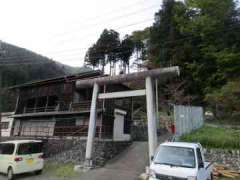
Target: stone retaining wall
{"x": 229, "y": 158}
{"x": 73, "y": 150}
{"x": 102, "y": 152}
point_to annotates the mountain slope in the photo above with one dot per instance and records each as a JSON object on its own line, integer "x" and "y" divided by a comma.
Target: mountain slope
{"x": 19, "y": 65}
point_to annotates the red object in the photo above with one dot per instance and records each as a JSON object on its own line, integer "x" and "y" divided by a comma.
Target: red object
{"x": 18, "y": 159}
{"x": 173, "y": 128}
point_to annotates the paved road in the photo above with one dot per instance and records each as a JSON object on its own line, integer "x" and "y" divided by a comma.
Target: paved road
{"x": 128, "y": 165}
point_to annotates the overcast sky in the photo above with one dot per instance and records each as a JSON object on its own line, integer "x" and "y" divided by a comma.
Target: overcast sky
{"x": 64, "y": 29}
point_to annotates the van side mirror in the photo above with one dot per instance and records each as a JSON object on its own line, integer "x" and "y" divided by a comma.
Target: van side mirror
{"x": 152, "y": 157}
{"x": 201, "y": 165}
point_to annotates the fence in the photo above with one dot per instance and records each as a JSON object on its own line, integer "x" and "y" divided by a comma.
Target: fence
{"x": 187, "y": 118}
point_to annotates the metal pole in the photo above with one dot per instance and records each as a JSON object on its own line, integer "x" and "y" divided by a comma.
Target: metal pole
{"x": 92, "y": 126}
{"x": 152, "y": 130}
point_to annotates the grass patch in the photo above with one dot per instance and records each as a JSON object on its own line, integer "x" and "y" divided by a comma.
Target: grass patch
{"x": 213, "y": 137}
{"x": 60, "y": 170}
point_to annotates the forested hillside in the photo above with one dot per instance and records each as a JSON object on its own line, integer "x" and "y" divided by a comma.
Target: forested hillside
{"x": 19, "y": 65}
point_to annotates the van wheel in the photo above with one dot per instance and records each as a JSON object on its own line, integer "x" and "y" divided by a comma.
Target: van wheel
{"x": 38, "y": 172}
{"x": 10, "y": 174}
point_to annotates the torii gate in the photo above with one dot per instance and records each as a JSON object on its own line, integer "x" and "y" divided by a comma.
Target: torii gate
{"x": 161, "y": 74}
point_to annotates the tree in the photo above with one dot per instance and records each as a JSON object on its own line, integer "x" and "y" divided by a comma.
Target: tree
{"x": 104, "y": 51}
{"x": 164, "y": 33}
{"x": 108, "y": 45}
{"x": 202, "y": 37}
{"x": 140, "y": 39}
{"x": 93, "y": 56}
{"x": 226, "y": 101}
{"x": 126, "y": 51}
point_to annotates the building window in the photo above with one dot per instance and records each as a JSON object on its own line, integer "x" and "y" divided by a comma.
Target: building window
{"x": 41, "y": 102}
{"x": 4, "y": 125}
{"x": 30, "y": 103}
{"x": 52, "y": 101}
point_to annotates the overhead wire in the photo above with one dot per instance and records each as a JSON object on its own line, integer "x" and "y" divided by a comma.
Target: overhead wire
{"x": 17, "y": 56}
{"x": 4, "y": 60}
{"x": 191, "y": 37}
{"x": 114, "y": 11}
{"x": 127, "y": 15}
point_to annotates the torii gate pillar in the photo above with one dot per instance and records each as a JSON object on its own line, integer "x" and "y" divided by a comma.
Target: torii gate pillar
{"x": 151, "y": 117}
{"x": 92, "y": 125}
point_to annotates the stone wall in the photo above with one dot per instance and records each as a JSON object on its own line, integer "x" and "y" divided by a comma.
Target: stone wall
{"x": 102, "y": 152}
{"x": 73, "y": 150}
{"x": 229, "y": 158}
{"x": 140, "y": 132}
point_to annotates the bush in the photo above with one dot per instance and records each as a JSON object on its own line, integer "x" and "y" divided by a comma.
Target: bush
{"x": 212, "y": 137}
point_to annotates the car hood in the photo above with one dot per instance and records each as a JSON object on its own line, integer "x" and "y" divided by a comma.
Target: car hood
{"x": 181, "y": 172}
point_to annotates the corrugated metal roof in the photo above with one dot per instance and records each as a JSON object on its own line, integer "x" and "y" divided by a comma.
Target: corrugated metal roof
{"x": 73, "y": 77}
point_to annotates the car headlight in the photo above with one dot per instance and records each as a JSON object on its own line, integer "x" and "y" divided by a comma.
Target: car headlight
{"x": 192, "y": 178}
{"x": 152, "y": 173}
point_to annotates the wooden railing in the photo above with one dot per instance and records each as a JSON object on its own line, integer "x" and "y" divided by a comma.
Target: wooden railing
{"x": 41, "y": 109}
{"x": 72, "y": 107}
{"x": 46, "y": 131}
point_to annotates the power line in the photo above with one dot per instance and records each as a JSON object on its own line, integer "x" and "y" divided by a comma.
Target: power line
{"x": 114, "y": 11}
{"x": 114, "y": 18}
{"x": 166, "y": 42}
{"x": 118, "y": 28}
{"x": 35, "y": 56}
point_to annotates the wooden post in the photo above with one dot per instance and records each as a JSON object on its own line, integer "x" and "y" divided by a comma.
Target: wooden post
{"x": 92, "y": 126}
{"x": 152, "y": 130}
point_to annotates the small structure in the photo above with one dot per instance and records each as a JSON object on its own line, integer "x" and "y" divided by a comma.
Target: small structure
{"x": 6, "y": 123}
{"x": 55, "y": 107}
{"x": 187, "y": 119}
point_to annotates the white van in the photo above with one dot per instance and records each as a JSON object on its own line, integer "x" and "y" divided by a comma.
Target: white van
{"x": 180, "y": 160}
{"x": 21, "y": 156}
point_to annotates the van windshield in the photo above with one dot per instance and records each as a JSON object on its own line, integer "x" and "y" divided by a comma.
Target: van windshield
{"x": 176, "y": 156}
{"x": 29, "y": 148}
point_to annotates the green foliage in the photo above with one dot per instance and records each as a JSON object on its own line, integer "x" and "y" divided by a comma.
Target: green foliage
{"x": 212, "y": 137}
{"x": 64, "y": 170}
{"x": 109, "y": 49}
{"x": 105, "y": 50}
{"x": 127, "y": 47}
{"x": 226, "y": 101}
{"x": 202, "y": 37}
